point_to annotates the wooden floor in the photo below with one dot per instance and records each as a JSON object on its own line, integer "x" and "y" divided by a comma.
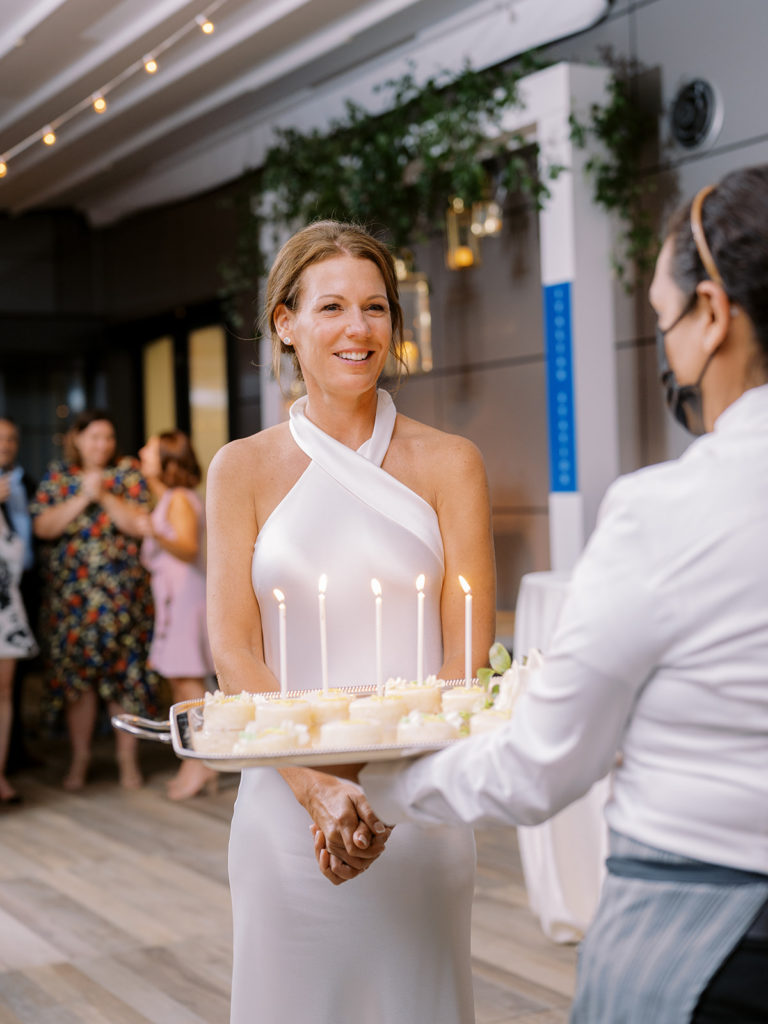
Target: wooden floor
{"x": 114, "y": 908}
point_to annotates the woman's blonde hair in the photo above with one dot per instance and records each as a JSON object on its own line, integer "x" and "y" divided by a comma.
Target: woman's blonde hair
{"x": 322, "y": 241}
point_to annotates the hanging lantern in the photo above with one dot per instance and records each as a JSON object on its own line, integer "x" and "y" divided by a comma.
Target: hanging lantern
{"x": 462, "y": 248}
{"x": 415, "y": 350}
{"x": 486, "y": 218}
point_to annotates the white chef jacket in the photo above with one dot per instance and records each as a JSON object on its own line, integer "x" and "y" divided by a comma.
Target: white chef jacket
{"x": 661, "y": 652}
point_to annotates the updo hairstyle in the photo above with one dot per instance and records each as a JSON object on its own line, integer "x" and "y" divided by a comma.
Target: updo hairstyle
{"x": 322, "y": 241}
{"x": 734, "y": 219}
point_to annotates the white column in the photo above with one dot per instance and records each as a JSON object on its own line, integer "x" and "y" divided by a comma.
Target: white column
{"x": 578, "y": 317}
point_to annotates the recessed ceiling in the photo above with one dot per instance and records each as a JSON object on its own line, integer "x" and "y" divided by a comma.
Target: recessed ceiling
{"x": 207, "y": 114}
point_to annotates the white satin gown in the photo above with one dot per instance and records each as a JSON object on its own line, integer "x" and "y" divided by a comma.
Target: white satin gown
{"x": 393, "y": 945}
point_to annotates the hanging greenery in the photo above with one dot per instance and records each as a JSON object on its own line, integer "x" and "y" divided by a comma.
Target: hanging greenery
{"x": 622, "y": 128}
{"x": 396, "y": 171}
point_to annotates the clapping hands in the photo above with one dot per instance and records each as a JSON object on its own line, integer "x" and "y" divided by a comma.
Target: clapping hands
{"x": 91, "y": 484}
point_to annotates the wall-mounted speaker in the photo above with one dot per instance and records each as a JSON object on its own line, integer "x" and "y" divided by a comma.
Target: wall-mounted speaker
{"x": 696, "y": 116}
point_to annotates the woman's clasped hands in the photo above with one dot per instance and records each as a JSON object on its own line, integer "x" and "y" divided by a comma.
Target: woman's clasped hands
{"x": 348, "y": 836}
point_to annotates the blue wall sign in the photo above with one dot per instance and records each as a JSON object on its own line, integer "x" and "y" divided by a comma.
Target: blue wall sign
{"x": 558, "y": 346}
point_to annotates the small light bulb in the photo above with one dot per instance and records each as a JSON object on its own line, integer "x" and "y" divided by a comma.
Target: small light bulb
{"x": 49, "y": 137}
{"x": 99, "y": 104}
{"x": 3, "y": 168}
{"x": 150, "y": 65}
{"x": 205, "y": 24}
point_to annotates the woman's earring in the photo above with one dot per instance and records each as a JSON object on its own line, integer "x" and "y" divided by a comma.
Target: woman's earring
{"x": 287, "y": 342}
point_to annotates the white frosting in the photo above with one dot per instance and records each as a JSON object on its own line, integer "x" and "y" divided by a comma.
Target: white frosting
{"x": 417, "y": 727}
{"x": 350, "y": 733}
{"x": 227, "y": 710}
{"x": 464, "y": 698}
{"x": 287, "y": 736}
{"x": 276, "y": 712}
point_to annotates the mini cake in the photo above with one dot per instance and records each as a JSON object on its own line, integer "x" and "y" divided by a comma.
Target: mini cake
{"x": 219, "y": 741}
{"x": 417, "y": 727}
{"x": 330, "y": 706}
{"x": 423, "y": 696}
{"x": 227, "y": 710}
{"x": 487, "y": 720}
{"x": 272, "y": 740}
{"x": 275, "y": 712}
{"x": 464, "y": 698}
{"x": 349, "y": 732}
{"x": 385, "y": 711}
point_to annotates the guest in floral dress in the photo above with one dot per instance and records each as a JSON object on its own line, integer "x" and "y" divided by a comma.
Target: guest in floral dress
{"x": 96, "y": 617}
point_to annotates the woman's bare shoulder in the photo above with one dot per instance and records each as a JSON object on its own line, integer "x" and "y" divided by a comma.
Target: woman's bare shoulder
{"x": 436, "y": 444}
{"x": 252, "y": 453}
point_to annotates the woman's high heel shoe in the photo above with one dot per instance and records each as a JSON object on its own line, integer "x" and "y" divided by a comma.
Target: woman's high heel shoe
{"x": 191, "y": 779}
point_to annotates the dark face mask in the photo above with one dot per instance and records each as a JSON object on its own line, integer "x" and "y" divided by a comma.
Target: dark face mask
{"x": 683, "y": 400}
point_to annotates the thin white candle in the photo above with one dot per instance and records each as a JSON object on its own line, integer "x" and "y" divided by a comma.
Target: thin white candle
{"x": 467, "y": 631}
{"x": 420, "y": 628}
{"x": 376, "y": 588}
{"x": 321, "y": 587}
{"x": 280, "y": 598}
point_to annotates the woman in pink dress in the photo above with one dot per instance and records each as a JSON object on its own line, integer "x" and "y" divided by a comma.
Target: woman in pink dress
{"x": 173, "y": 553}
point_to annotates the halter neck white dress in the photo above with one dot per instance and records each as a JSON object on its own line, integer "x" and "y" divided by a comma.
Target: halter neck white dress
{"x": 393, "y": 945}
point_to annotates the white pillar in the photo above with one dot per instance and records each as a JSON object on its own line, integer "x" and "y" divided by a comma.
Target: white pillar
{"x": 578, "y": 316}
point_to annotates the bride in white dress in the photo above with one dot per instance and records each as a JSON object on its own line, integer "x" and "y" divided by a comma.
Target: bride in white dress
{"x": 353, "y": 490}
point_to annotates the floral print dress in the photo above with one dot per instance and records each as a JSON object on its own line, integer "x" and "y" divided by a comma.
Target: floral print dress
{"x": 97, "y": 615}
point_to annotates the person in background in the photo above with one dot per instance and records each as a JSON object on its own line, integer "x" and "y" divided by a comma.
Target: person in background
{"x": 96, "y": 617}
{"x": 661, "y": 652}
{"x": 16, "y": 491}
{"x": 16, "y": 640}
{"x": 173, "y": 553}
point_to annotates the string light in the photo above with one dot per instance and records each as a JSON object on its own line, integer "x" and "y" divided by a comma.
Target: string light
{"x": 97, "y": 100}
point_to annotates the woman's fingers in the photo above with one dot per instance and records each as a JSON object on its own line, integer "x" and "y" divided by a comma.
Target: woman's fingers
{"x": 367, "y": 815}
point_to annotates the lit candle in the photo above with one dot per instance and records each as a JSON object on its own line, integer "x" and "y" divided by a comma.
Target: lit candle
{"x": 376, "y": 588}
{"x": 467, "y": 631}
{"x": 280, "y": 598}
{"x": 321, "y": 585}
{"x": 420, "y": 628}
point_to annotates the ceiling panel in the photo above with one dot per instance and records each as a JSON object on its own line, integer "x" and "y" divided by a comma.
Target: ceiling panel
{"x": 211, "y": 91}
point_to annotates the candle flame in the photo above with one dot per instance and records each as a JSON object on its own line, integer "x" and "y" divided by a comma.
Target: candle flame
{"x": 464, "y": 585}
{"x": 279, "y": 595}
{"x": 376, "y": 587}
{"x": 322, "y": 583}
{"x": 420, "y": 581}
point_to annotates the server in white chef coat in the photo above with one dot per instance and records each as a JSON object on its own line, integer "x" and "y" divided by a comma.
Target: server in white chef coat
{"x": 662, "y": 654}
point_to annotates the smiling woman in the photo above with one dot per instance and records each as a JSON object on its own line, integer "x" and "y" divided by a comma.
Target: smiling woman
{"x": 341, "y": 329}
{"x": 349, "y": 491}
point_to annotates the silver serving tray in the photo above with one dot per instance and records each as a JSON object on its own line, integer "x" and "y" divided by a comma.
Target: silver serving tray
{"x": 185, "y": 721}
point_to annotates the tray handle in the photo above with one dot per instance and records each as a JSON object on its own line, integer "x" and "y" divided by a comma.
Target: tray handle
{"x": 146, "y": 728}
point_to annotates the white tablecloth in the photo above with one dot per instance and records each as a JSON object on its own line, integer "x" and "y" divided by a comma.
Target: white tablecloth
{"x": 563, "y": 859}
